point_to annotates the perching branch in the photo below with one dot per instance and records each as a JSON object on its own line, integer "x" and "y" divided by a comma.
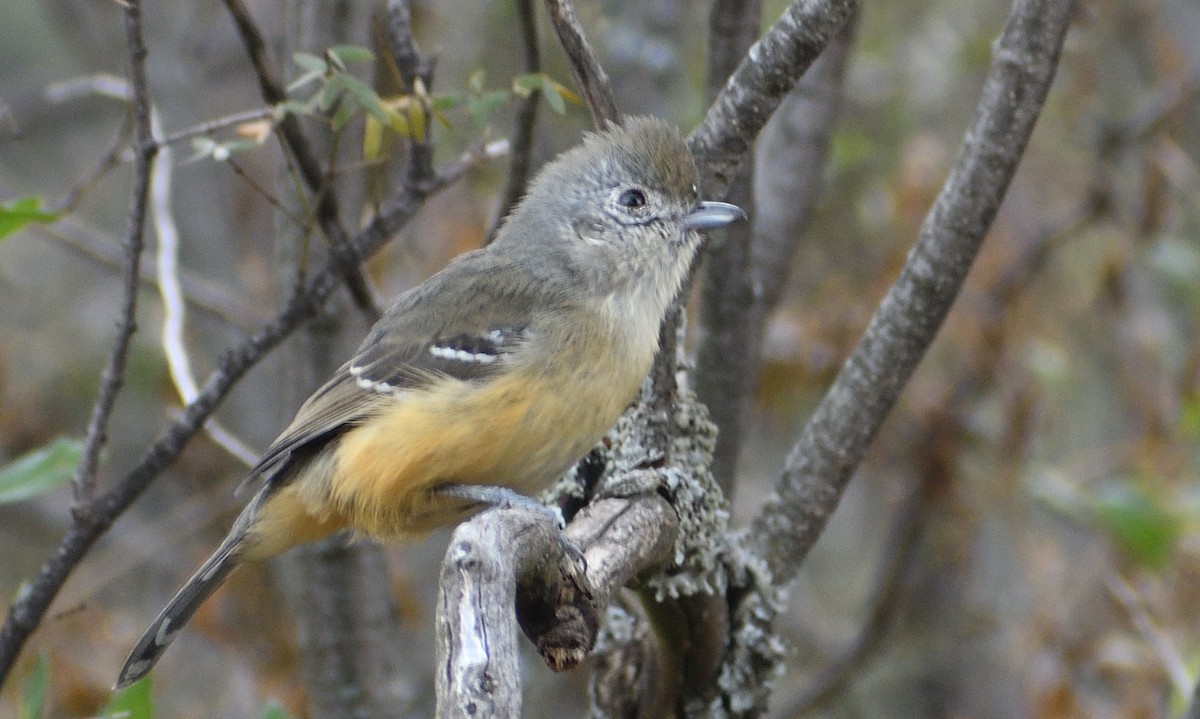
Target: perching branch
{"x": 591, "y": 78}
{"x": 508, "y": 558}
{"x": 478, "y": 667}
{"x": 833, "y": 442}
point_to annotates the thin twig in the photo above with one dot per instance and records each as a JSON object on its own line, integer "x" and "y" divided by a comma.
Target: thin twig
{"x": 220, "y": 123}
{"x": 113, "y": 376}
{"x": 30, "y": 607}
{"x": 833, "y": 442}
{"x": 266, "y": 194}
{"x": 101, "y": 84}
{"x": 523, "y": 123}
{"x": 294, "y": 141}
{"x": 171, "y": 292}
{"x": 589, "y": 75}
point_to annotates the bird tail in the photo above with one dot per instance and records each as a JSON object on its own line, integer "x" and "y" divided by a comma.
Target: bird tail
{"x": 163, "y": 630}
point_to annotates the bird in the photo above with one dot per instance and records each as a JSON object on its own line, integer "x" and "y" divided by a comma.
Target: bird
{"x": 488, "y": 381}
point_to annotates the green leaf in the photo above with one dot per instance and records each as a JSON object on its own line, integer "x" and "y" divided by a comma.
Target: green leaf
{"x": 291, "y": 107}
{"x": 273, "y": 710}
{"x": 566, "y": 92}
{"x": 39, "y": 471}
{"x": 1139, "y": 525}
{"x": 330, "y": 93}
{"x": 525, "y": 85}
{"x": 310, "y": 63}
{"x": 366, "y": 97}
{"x": 132, "y": 702}
{"x": 345, "y": 112}
{"x": 351, "y": 53}
{"x": 34, "y": 697}
{"x": 480, "y": 107}
{"x": 20, "y": 212}
{"x": 305, "y": 79}
{"x": 553, "y": 99}
{"x": 448, "y": 101}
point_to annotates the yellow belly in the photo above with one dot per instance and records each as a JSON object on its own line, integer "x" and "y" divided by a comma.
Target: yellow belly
{"x": 519, "y": 432}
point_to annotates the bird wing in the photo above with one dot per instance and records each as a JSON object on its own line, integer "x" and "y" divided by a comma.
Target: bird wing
{"x": 457, "y": 324}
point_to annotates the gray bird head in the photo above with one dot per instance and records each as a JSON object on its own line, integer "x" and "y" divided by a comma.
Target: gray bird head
{"x": 621, "y": 211}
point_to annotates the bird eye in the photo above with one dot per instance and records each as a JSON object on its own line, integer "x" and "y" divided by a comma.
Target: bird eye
{"x": 632, "y": 199}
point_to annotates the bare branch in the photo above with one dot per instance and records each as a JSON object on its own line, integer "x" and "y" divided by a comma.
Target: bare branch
{"x": 220, "y": 123}
{"x": 355, "y": 662}
{"x": 622, "y": 538}
{"x": 748, "y": 271}
{"x": 591, "y": 78}
{"x": 113, "y": 376}
{"x": 732, "y": 29}
{"x": 768, "y": 72}
{"x": 478, "y": 668}
{"x": 722, "y": 140}
{"x": 834, "y": 440}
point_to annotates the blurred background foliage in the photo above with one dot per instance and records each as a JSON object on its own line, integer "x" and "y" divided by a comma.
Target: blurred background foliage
{"x": 1023, "y": 538}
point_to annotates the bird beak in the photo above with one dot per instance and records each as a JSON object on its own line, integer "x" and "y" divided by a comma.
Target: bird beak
{"x": 711, "y": 215}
